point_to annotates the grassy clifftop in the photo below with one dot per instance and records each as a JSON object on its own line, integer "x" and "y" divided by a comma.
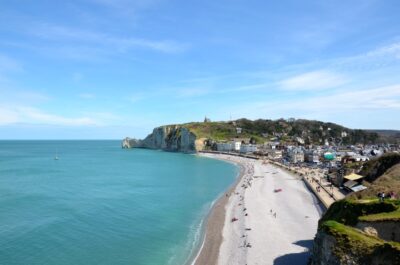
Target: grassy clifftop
{"x": 389, "y": 216}
{"x": 221, "y": 131}
{"x": 350, "y": 212}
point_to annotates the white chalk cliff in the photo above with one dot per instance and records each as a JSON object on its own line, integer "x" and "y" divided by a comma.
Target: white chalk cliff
{"x": 169, "y": 138}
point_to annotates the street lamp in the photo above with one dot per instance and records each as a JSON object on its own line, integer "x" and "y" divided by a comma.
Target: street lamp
{"x": 320, "y": 183}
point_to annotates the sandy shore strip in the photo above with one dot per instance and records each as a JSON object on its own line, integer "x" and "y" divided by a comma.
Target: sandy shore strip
{"x": 215, "y": 223}
{"x": 268, "y": 217}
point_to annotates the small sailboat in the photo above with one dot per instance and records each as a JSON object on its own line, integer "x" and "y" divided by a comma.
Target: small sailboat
{"x": 56, "y": 156}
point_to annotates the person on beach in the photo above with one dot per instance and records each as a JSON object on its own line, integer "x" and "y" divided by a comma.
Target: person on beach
{"x": 275, "y": 214}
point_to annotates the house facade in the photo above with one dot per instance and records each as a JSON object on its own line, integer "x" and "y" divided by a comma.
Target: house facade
{"x": 295, "y": 155}
{"x": 248, "y": 148}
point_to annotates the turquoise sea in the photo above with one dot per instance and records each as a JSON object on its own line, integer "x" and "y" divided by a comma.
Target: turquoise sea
{"x": 100, "y": 204}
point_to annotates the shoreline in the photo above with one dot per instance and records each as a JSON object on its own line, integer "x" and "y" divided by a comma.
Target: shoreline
{"x": 223, "y": 239}
{"x": 214, "y": 222}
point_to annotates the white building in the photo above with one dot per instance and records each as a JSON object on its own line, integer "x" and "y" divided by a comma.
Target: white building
{"x": 359, "y": 158}
{"x": 236, "y": 145}
{"x": 300, "y": 140}
{"x": 224, "y": 147}
{"x": 248, "y": 148}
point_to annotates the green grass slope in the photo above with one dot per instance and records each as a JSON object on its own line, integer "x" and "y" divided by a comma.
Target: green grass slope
{"x": 348, "y": 212}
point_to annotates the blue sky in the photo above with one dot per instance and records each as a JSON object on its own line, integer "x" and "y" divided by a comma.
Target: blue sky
{"x": 101, "y": 69}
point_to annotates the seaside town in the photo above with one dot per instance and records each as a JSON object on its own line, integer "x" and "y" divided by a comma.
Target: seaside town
{"x": 330, "y": 169}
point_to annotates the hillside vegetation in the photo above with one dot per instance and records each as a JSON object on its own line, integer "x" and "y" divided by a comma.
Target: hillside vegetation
{"x": 381, "y": 175}
{"x": 375, "y": 168}
{"x": 392, "y": 136}
{"x": 312, "y": 132}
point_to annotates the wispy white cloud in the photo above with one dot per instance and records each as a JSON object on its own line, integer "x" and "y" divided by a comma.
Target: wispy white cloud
{"x": 116, "y": 43}
{"x": 337, "y": 103}
{"x": 307, "y": 77}
{"x": 392, "y": 50}
{"x": 316, "y": 80}
{"x": 320, "y": 74}
{"x": 47, "y": 118}
{"x": 31, "y": 115}
{"x": 378, "y": 58}
{"x": 387, "y": 97}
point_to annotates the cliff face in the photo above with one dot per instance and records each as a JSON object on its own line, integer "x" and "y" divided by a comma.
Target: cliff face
{"x": 169, "y": 138}
{"x": 323, "y": 250}
{"x": 329, "y": 250}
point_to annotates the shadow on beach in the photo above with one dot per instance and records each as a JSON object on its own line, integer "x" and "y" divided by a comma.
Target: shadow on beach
{"x": 296, "y": 258}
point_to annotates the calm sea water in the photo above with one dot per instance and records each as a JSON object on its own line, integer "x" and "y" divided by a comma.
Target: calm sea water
{"x": 100, "y": 204}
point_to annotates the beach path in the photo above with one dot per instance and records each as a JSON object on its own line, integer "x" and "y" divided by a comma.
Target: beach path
{"x": 277, "y": 218}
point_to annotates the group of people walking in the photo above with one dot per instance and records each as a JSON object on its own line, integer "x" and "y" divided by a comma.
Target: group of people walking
{"x": 382, "y": 196}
